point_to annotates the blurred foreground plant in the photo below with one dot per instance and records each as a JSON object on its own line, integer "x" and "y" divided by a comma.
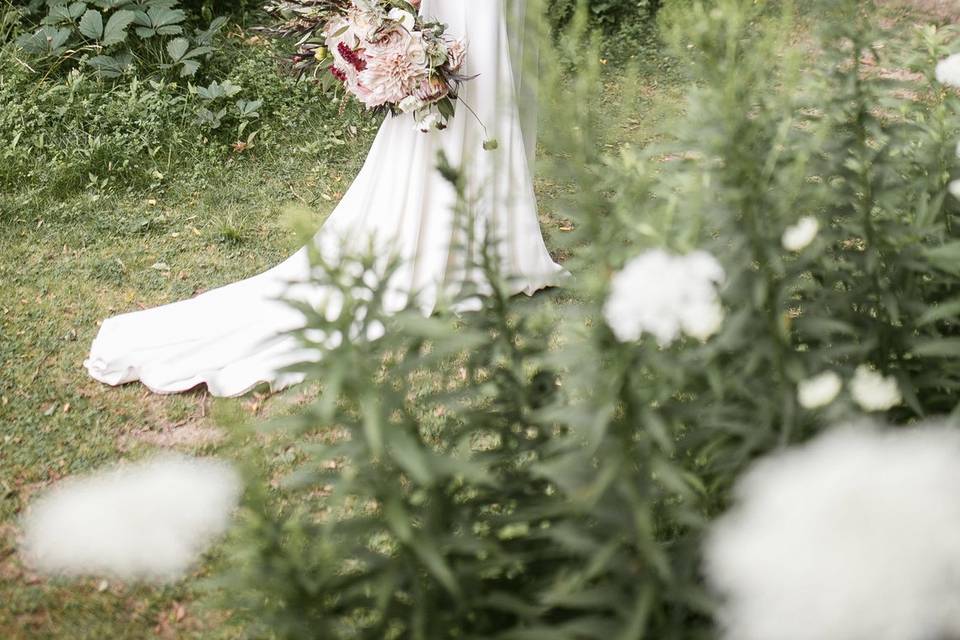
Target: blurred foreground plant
{"x": 560, "y": 481}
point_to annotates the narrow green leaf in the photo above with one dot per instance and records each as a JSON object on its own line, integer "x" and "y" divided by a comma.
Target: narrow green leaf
{"x": 398, "y": 519}
{"x": 937, "y": 348}
{"x": 410, "y": 456}
{"x": 943, "y": 311}
{"x": 435, "y": 564}
{"x": 945, "y": 257}
{"x": 372, "y": 423}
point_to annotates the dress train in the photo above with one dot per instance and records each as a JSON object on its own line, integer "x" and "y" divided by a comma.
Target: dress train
{"x": 233, "y": 338}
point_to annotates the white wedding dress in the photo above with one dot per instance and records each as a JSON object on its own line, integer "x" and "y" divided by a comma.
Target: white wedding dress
{"x": 234, "y": 338}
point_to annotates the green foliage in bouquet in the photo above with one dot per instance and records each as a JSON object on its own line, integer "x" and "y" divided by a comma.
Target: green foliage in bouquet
{"x": 559, "y": 484}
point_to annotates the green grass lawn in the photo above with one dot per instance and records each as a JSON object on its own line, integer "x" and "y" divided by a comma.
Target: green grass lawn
{"x": 67, "y": 262}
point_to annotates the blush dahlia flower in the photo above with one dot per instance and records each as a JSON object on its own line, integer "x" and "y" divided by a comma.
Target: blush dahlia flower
{"x": 395, "y": 68}
{"x": 390, "y": 59}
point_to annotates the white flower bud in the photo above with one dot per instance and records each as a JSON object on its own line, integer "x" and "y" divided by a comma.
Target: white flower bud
{"x": 873, "y": 391}
{"x": 819, "y": 391}
{"x": 799, "y": 236}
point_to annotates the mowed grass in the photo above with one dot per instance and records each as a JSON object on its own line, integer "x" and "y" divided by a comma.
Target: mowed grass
{"x": 67, "y": 263}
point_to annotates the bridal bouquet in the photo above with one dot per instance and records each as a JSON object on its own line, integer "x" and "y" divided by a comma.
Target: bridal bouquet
{"x": 382, "y": 52}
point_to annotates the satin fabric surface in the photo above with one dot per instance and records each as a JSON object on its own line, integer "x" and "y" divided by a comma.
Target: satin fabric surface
{"x": 233, "y": 338}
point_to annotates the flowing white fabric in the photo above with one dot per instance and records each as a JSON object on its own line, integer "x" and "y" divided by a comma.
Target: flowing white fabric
{"x": 233, "y": 338}
{"x": 525, "y": 56}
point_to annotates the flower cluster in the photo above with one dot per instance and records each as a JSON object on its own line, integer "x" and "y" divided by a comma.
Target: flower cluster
{"x": 386, "y": 56}
{"x": 948, "y": 71}
{"x": 666, "y": 294}
{"x": 871, "y": 390}
{"x": 820, "y": 534}
{"x": 148, "y": 521}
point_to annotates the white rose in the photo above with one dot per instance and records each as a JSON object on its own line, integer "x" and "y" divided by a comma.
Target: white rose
{"x": 799, "y": 236}
{"x": 873, "y": 391}
{"x": 404, "y": 18}
{"x": 364, "y": 22}
{"x": 819, "y": 391}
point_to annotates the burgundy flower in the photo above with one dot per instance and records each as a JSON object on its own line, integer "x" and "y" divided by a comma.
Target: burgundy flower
{"x": 351, "y": 57}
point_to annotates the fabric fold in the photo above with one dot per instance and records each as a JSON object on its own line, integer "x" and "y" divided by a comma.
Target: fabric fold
{"x": 234, "y": 338}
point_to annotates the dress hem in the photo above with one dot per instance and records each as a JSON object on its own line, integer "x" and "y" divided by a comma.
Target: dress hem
{"x": 98, "y": 368}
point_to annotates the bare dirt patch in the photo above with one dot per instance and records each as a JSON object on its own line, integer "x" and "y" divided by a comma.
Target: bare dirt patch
{"x": 173, "y": 436}
{"x": 173, "y": 422}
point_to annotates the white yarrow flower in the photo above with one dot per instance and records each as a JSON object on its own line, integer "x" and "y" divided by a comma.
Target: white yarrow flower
{"x": 873, "y": 391}
{"x": 948, "y": 71}
{"x": 855, "y": 536}
{"x": 819, "y": 391}
{"x": 147, "y": 521}
{"x": 799, "y": 236}
{"x": 666, "y": 295}
{"x": 703, "y": 321}
{"x": 954, "y": 188}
